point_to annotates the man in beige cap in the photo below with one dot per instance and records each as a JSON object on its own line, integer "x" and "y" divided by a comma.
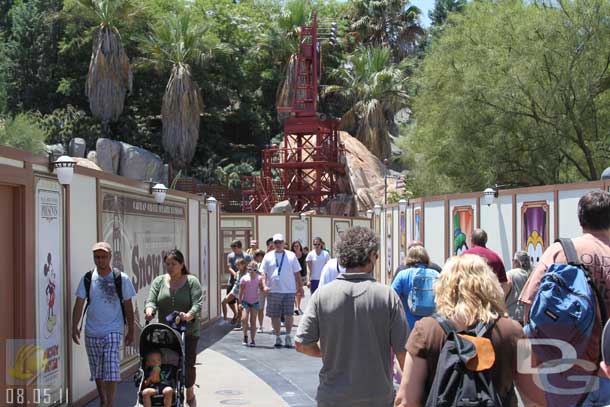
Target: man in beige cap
{"x": 108, "y": 293}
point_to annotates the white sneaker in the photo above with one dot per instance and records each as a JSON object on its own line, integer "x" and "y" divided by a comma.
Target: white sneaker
{"x": 288, "y": 341}
{"x": 260, "y": 330}
{"x": 278, "y": 342}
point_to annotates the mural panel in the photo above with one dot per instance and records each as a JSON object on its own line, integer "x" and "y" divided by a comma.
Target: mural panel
{"x": 535, "y": 229}
{"x": 140, "y": 232}
{"x": 417, "y": 224}
{"x": 463, "y": 225}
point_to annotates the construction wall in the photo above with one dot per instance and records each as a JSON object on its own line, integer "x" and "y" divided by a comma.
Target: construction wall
{"x": 56, "y": 226}
{"x": 527, "y": 219}
{"x": 246, "y": 227}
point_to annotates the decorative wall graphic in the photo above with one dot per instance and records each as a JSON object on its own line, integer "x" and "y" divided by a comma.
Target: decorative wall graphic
{"x": 339, "y": 227}
{"x": 299, "y": 230}
{"x": 463, "y": 225}
{"x": 417, "y": 224}
{"x": 535, "y": 229}
{"x": 50, "y": 324}
{"x": 388, "y": 245}
{"x": 140, "y": 232}
{"x": 403, "y": 237}
{"x": 205, "y": 264}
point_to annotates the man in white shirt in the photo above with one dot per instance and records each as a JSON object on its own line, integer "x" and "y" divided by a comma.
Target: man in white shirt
{"x": 316, "y": 259}
{"x": 331, "y": 270}
{"x": 281, "y": 269}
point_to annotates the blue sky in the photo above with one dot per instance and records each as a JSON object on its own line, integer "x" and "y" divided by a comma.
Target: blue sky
{"x": 424, "y": 6}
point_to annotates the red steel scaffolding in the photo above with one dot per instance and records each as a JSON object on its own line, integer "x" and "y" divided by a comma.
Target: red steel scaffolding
{"x": 308, "y": 161}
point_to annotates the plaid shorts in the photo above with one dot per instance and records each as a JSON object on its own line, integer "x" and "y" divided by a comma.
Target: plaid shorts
{"x": 279, "y": 304}
{"x": 103, "y": 356}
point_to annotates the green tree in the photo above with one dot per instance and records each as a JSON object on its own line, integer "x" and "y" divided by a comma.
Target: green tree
{"x": 109, "y": 77}
{"x": 514, "y": 93}
{"x": 439, "y": 14}
{"x": 24, "y": 132}
{"x": 374, "y": 90}
{"x": 390, "y": 23}
{"x": 29, "y": 59}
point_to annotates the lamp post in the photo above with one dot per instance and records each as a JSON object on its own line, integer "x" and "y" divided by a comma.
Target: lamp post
{"x": 402, "y": 205}
{"x": 490, "y": 195}
{"x": 159, "y": 192}
{"x": 385, "y": 182}
{"x": 211, "y": 204}
{"x": 64, "y": 169}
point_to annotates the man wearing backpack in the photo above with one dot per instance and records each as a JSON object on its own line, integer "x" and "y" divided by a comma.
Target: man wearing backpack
{"x": 353, "y": 323}
{"x": 108, "y": 293}
{"x": 592, "y": 249}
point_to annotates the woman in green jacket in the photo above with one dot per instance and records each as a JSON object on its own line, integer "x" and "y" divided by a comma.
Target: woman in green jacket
{"x": 177, "y": 290}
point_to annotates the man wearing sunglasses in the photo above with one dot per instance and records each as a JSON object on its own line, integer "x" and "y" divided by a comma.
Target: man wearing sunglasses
{"x": 281, "y": 269}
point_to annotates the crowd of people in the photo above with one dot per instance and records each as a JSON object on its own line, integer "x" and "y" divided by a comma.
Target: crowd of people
{"x": 469, "y": 333}
{"x": 466, "y": 333}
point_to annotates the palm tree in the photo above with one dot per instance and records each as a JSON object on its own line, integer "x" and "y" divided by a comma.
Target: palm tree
{"x": 109, "y": 77}
{"x": 283, "y": 42}
{"x": 388, "y": 23}
{"x": 375, "y": 89}
{"x": 176, "y": 42}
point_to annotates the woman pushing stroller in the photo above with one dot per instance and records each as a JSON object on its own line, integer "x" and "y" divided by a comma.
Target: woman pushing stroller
{"x": 179, "y": 291}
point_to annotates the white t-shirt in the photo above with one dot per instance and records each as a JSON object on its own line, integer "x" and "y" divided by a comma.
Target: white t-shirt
{"x": 281, "y": 281}
{"x": 317, "y": 263}
{"x": 330, "y": 272}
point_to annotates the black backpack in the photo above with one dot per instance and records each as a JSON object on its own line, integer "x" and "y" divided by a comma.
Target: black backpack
{"x": 455, "y": 385}
{"x": 118, "y": 284}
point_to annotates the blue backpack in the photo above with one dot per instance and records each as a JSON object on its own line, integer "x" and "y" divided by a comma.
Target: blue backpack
{"x": 421, "y": 297}
{"x": 564, "y": 307}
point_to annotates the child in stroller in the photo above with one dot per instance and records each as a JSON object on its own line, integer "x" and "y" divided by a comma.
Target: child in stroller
{"x": 158, "y": 380}
{"x": 161, "y": 377}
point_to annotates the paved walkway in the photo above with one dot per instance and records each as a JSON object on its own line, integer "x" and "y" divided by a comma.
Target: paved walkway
{"x": 229, "y": 373}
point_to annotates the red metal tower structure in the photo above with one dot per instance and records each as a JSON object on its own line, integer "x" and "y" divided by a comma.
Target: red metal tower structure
{"x": 308, "y": 161}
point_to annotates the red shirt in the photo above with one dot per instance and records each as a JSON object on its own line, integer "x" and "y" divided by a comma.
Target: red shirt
{"x": 493, "y": 260}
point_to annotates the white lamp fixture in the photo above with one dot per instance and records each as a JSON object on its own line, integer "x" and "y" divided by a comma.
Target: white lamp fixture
{"x": 402, "y": 205}
{"x": 64, "y": 168}
{"x": 211, "y": 203}
{"x": 377, "y": 209}
{"x": 369, "y": 213}
{"x": 490, "y": 195}
{"x": 159, "y": 191}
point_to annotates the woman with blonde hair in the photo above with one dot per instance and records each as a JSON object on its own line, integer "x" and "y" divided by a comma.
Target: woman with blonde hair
{"x": 467, "y": 293}
{"x": 414, "y": 285}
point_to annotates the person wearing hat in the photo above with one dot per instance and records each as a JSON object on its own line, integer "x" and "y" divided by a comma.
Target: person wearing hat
{"x": 253, "y": 248}
{"x": 283, "y": 277}
{"x": 107, "y": 313}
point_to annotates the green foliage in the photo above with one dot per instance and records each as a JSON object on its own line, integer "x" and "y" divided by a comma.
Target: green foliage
{"x": 442, "y": 8}
{"x": 515, "y": 93}
{"x": 374, "y": 89}
{"x": 24, "y": 132}
{"x": 30, "y": 55}
{"x": 388, "y": 23}
{"x": 63, "y": 124}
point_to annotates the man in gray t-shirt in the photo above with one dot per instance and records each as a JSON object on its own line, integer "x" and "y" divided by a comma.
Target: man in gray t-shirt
{"x": 358, "y": 322}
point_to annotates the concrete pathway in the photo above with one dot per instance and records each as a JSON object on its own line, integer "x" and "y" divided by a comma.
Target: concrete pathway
{"x": 229, "y": 373}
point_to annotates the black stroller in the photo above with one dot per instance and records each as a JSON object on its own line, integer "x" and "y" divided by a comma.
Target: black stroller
{"x": 170, "y": 343}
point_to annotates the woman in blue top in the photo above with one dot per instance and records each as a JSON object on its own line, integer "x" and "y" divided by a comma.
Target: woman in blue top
{"x": 414, "y": 285}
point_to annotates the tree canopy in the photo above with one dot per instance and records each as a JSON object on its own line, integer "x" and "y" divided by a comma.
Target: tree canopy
{"x": 513, "y": 92}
